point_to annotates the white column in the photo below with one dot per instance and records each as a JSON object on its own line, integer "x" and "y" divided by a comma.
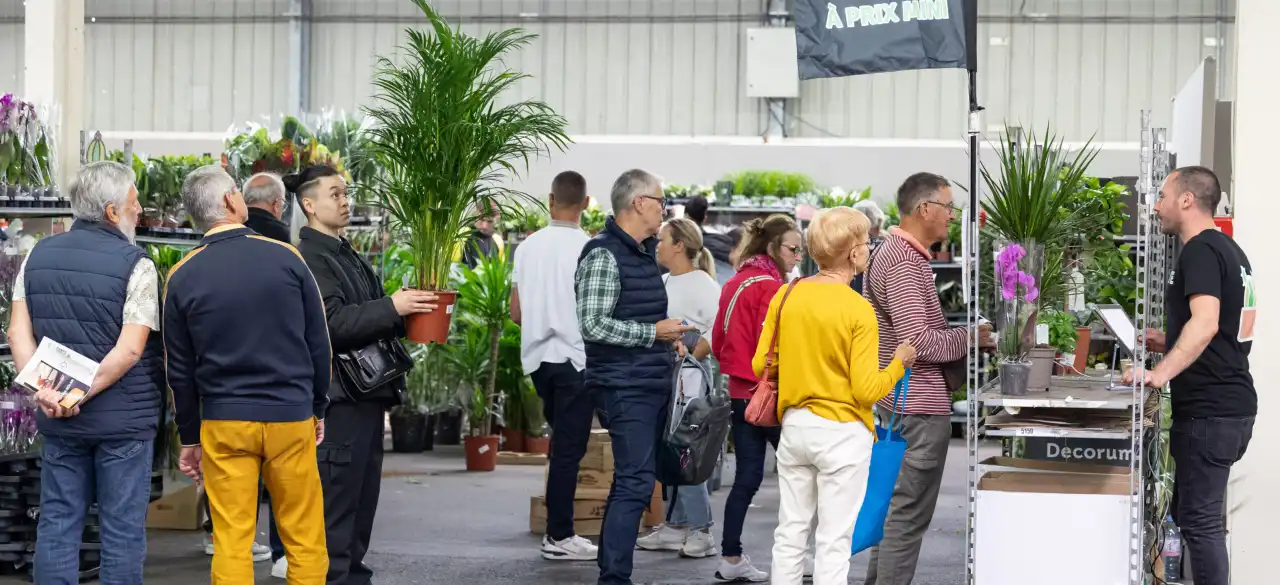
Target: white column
{"x": 54, "y": 73}
{"x": 1254, "y": 510}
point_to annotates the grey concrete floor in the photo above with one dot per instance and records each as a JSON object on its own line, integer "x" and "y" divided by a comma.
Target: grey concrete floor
{"x": 438, "y": 524}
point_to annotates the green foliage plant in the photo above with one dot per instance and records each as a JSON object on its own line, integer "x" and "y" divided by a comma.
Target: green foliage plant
{"x": 442, "y": 140}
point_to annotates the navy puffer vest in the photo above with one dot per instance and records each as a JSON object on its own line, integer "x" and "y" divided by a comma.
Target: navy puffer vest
{"x": 76, "y": 285}
{"x": 644, "y": 300}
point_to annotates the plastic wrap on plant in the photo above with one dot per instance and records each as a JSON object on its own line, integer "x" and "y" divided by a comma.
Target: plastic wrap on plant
{"x": 1017, "y": 272}
{"x": 28, "y": 153}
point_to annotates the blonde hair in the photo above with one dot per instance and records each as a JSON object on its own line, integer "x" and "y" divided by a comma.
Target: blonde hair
{"x": 684, "y": 231}
{"x": 833, "y": 233}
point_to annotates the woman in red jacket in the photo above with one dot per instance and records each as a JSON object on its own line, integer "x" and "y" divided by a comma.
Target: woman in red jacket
{"x": 770, "y": 249}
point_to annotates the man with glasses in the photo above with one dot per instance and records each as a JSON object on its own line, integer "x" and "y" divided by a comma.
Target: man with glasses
{"x": 622, "y": 312}
{"x": 899, "y": 284}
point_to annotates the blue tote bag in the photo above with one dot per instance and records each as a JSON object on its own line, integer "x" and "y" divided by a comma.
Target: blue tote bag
{"x": 886, "y": 462}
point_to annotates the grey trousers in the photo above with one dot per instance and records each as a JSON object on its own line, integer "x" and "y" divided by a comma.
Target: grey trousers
{"x": 914, "y": 498}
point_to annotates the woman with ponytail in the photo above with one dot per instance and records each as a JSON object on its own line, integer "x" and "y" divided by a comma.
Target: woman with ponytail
{"x": 692, "y": 296}
{"x": 769, "y": 250}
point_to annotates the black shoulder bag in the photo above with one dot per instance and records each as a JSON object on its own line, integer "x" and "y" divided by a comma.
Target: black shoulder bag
{"x": 376, "y": 364}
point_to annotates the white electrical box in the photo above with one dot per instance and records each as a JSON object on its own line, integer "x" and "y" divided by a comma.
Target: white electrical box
{"x": 772, "y": 71}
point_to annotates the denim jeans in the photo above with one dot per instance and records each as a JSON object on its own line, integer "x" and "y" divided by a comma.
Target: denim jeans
{"x": 1204, "y": 449}
{"x": 749, "y": 442}
{"x": 692, "y": 509}
{"x": 568, "y": 408}
{"x": 74, "y": 474}
{"x": 635, "y": 418}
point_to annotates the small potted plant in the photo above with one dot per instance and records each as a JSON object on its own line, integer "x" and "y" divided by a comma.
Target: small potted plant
{"x": 444, "y": 141}
{"x": 485, "y": 303}
{"x": 537, "y": 434}
{"x": 1014, "y": 266}
{"x": 469, "y": 360}
{"x": 592, "y": 219}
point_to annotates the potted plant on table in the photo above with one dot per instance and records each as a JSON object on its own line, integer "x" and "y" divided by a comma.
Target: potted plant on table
{"x": 444, "y": 143}
{"x": 1014, "y": 265}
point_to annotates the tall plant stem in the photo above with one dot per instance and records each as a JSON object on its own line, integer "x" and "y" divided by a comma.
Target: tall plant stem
{"x": 495, "y": 336}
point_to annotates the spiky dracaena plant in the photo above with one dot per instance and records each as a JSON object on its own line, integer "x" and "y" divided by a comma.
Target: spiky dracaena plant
{"x": 1032, "y": 198}
{"x": 442, "y": 141}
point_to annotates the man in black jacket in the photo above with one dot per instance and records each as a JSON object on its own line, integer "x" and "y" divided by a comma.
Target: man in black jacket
{"x": 359, "y": 314}
{"x": 265, "y": 195}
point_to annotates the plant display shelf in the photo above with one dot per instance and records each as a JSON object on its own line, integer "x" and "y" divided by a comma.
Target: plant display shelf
{"x": 167, "y": 240}
{"x": 7, "y": 210}
{"x": 1020, "y": 520}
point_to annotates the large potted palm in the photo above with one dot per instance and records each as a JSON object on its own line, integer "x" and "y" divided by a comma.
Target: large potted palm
{"x": 485, "y": 301}
{"x": 444, "y": 145}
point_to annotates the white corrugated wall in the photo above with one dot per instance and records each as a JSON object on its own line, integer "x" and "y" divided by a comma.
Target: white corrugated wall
{"x": 640, "y": 66}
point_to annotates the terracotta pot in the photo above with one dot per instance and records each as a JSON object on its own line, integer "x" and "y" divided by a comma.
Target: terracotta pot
{"x": 513, "y": 440}
{"x": 433, "y": 327}
{"x": 482, "y": 452}
{"x": 943, "y": 255}
{"x": 1083, "y": 335}
{"x": 537, "y": 444}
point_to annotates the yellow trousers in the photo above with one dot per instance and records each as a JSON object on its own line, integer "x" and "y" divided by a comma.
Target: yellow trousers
{"x": 233, "y": 454}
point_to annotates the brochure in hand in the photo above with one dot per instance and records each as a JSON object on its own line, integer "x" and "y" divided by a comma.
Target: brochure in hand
{"x": 56, "y": 367}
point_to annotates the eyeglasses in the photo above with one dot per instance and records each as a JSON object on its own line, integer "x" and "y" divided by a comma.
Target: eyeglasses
{"x": 795, "y": 250}
{"x": 949, "y": 206}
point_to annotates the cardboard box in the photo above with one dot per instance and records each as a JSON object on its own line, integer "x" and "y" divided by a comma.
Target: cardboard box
{"x": 179, "y": 510}
{"x": 1012, "y": 464}
{"x": 1054, "y": 483}
{"x": 599, "y": 456}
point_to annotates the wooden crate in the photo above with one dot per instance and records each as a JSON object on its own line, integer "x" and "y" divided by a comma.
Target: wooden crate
{"x": 599, "y": 455}
{"x": 514, "y": 458}
{"x": 585, "y": 519}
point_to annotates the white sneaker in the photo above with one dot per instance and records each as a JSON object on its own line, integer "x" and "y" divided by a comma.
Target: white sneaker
{"x": 699, "y": 544}
{"x": 662, "y": 538}
{"x": 574, "y": 548}
{"x": 261, "y": 552}
{"x": 280, "y": 569}
{"x": 742, "y": 572}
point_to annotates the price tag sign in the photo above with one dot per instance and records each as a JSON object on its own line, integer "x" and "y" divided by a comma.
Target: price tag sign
{"x": 1026, "y": 432}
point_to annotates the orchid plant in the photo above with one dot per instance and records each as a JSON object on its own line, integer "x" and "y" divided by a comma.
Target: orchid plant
{"x": 24, "y": 145}
{"x": 1015, "y": 268}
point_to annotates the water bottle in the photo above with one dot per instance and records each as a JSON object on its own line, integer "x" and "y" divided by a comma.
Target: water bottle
{"x": 1172, "y": 552}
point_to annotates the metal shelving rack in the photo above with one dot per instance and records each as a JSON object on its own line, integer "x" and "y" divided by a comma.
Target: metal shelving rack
{"x": 1153, "y": 252}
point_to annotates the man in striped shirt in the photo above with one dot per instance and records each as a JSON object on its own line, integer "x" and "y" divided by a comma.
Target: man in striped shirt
{"x": 899, "y": 283}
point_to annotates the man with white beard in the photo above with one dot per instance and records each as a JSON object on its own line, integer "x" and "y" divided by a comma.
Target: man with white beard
{"x": 94, "y": 291}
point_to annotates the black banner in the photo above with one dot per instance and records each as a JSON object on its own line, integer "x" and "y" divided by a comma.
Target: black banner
{"x": 835, "y": 38}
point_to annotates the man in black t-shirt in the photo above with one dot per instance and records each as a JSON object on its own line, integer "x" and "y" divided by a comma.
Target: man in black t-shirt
{"x": 1211, "y": 313}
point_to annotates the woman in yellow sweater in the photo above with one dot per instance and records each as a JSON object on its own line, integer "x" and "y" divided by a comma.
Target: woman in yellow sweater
{"x": 828, "y": 380}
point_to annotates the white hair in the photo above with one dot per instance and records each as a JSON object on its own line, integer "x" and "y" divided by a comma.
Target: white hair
{"x": 263, "y": 189}
{"x": 872, "y": 210}
{"x": 632, "y": 184}
{"x": 97, "y": 185}
{"x": 202, "y": 194}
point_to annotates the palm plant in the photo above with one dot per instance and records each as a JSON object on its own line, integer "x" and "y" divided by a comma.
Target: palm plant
{"x": 443, "y": 143}
{"x": 1032, "y": 199}
{"x": 485, "y": 299}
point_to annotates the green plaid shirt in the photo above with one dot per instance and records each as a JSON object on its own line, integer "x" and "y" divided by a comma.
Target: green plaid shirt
{"x": 598, "y": 285}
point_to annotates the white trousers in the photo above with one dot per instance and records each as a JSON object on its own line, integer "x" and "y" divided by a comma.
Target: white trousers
{"x": 822, "y": 470}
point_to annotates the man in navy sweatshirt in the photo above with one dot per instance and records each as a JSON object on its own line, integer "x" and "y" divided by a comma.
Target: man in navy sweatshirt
{"x": 248, "y": 363}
